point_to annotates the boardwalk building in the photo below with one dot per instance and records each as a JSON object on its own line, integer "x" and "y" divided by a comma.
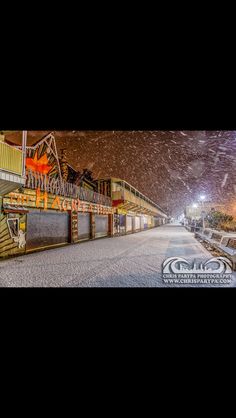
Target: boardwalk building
{"x": 45, "y": 203}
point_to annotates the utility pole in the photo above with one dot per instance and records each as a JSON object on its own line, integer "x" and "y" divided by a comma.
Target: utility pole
{"x": 24, "y": 143}
{"x": 203, "y": 218}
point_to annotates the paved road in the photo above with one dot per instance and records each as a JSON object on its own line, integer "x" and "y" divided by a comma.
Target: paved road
{"x": 129, "y": 261}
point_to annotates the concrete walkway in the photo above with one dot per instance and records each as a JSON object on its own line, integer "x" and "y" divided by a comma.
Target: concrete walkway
{"x": 128, "y": 261}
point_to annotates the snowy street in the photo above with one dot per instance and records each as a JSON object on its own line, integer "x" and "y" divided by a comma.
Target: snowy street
{"x": 128, "y": 261}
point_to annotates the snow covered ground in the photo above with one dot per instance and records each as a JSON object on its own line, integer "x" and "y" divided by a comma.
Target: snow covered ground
{"x": 129, "y": 261}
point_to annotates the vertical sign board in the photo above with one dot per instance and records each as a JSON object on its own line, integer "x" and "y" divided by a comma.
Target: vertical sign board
{"x": 74, "y": 227}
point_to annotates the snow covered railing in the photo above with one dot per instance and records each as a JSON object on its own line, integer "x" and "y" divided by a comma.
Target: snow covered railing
{"x": 35, "y": 180}
{"x": 224, "y": 242}
{"x": 11, "y": 159}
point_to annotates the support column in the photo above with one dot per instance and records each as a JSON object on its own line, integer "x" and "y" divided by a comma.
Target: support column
{"x": 1, "y": 204}
{"x": 92, "y": 226}
{"x": 74, "y": 227}
{"x": 24, "y": 144}
{"x": 110, "y": 225}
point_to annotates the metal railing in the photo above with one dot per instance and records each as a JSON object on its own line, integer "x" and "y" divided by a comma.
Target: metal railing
{"x": 127, "y": 191}
{"x": 35, "y": 180}
{"x": 136, "y": 193}
{"x": 11, "y": 159}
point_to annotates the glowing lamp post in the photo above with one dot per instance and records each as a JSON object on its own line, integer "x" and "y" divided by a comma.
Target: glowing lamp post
{"x": 195, "y": 212}
{"x": 202, "y": 198}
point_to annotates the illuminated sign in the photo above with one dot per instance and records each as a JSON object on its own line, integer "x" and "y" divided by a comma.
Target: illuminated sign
{"x": 44, "y": 200}
{"x": 39, "y": 165}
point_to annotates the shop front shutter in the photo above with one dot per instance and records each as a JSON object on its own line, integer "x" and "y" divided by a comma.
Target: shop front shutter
{"x": 156, "y": 222}
{"x": 137, "y": 223}
{"x": 129, "y": 227}
{"x": 149, "y": 221}
{"x": 83, "y": 226}
{"x": 142, "y": 222}
{"x": 122, "y": 224}
{"x": 145, "y": 222}
{"x": 46, "y": 228}
{"x": 101, "y": 226}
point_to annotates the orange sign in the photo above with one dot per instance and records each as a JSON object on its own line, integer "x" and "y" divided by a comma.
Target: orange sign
{"x": 44, "y": 197}
{"x": 38, "y": 164}
{"x": 42, "y": 200}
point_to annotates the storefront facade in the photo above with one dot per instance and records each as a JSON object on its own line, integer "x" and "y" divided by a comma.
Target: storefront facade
{"x": 53, "y": 205}
{"x": 132, "y": 222}
{"x": 133, "y": 211}
{"x": 34, "y": 220}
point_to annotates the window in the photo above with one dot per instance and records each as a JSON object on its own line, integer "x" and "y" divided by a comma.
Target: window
{"x": 116, "y": 187}
{"x": 13, "y": 226}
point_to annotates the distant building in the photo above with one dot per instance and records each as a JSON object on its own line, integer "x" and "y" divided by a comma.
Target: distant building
{"x": 133, "y": 211}
{"x": 195, "y": 212}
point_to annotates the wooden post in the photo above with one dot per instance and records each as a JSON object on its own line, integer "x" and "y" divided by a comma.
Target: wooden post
{"x": 110, "y": 225}
{"x": 73, "y": 227}
{"x": 92, "y": 226}
{"x": 125, "y": 224}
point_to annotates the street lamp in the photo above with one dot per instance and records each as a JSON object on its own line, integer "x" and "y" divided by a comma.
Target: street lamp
{"x": 195, "y": 205}
{"x": 202, "y": 198}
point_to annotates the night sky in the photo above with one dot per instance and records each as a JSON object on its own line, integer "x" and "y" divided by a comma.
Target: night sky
{"x": 171, "y": 167}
